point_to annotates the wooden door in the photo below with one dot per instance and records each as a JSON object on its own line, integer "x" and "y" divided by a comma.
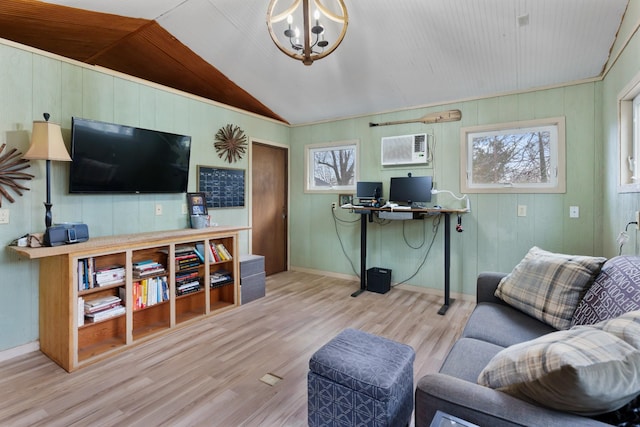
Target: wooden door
{"x": 269, "y": 168}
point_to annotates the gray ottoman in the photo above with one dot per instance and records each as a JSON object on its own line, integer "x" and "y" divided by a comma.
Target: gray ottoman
{"x": 360, "y": 379}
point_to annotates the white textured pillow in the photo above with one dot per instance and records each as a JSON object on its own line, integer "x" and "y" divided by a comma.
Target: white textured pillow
{"x": 582, "y": 370}
{"x": 549, "y": 286}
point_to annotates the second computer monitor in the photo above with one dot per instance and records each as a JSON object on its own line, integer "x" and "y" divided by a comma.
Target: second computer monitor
{"x": 366, "y": 190}
{"x": 413, "y": 191}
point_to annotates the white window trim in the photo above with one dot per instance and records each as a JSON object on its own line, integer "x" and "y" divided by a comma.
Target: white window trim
{"x": 309, "y": 186}
{"x": 628, "y": 146}
{"x": 558, "y": 159}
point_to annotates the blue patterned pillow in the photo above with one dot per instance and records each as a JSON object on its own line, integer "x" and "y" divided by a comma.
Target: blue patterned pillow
{"x": 615, "y": 291}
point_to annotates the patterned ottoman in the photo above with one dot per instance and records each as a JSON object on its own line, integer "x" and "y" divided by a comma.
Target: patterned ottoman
{"x": 360, "y": 379}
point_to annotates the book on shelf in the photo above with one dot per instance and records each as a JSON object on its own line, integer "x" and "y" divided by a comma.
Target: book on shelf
{"x": 150, "y": 291}
{"x": 105, "y": 314}
{"x": 220, "y": 277}
{"x": 99, "y": 304}
{"x": 147, "y": 268}
{"x": 80, "y": 311}
{"x": 109, "y": 275}
{"x": 225, "y": 255}
{"x": 188, "y": 287}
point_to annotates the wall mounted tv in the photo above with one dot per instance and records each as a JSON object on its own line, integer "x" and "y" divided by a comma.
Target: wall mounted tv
{"x": 112, "y": 158}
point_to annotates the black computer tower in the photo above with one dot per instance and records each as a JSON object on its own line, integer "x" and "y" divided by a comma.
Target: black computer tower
{"x": 379, "y": 280}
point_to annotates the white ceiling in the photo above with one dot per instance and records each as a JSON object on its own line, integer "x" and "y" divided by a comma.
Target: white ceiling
{"x": 396, "y": 54}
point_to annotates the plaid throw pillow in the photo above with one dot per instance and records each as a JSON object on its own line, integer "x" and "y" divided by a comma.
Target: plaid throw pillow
{"x": 549, "y": 286}
{"x": 584, "y": 370}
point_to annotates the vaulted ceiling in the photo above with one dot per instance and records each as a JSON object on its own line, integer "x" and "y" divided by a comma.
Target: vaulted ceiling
{"x": 396, "y": 54}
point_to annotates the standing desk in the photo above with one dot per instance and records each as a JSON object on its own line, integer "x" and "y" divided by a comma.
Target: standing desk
{"x": 365, "y": 214}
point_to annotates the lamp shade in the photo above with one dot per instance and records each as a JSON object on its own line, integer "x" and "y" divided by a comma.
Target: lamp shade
{"x": 47, "y": 143}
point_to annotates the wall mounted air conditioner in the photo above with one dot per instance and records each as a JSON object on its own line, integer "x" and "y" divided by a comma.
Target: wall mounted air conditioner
{"x": 405, "y": 150}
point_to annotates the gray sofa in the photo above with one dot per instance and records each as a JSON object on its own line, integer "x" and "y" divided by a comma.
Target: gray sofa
{"x": 495, "y": 325}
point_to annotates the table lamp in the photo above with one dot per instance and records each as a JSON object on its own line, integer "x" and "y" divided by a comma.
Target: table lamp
{"x": 47, "y": 144}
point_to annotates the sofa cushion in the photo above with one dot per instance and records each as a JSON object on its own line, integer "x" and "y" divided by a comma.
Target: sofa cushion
{"x": 488, "y": 320}
{"x": 585, "y": 370}
{"x": 468, "y": 357}
{"x": 549, "y": 286}
{"x": 615, "y": 290}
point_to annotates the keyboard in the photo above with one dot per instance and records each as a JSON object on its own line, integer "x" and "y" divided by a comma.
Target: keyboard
{"x": 401, "y": 208}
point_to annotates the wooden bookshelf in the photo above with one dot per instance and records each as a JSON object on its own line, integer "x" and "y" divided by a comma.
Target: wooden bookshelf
{"x": 72, "y": 345}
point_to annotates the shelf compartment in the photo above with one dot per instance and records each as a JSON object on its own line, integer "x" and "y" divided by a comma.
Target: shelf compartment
{"x": 150, "y": 320}
{"x": 189, "y": 306}
{"x": 222, "y": 296}
{"x": 100, "y": 337}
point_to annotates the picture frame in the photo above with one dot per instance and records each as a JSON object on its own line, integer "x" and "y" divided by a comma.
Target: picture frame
{"x": 344, "y": 199}
{"x": 197, "y": 203}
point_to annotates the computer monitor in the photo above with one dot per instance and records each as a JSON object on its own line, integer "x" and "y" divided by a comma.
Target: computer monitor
{"x": 411, "y": 190}
{"x": 366, "y": 190}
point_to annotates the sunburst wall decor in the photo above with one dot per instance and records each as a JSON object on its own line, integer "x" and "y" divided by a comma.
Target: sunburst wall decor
{"x": 231, "y": 143}
{"x": 10, "y": 167}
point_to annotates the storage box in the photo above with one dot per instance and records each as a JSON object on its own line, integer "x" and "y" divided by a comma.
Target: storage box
{"x": 250, "y": 265}
{"x": 252, "y": 288}
{"x": 379, "y": 280}
{"x": 252, "y": 278}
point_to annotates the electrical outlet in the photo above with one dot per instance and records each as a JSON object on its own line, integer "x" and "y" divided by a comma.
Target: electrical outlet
{"x": 333, "y": 205}
{"x": 574, "y": 212}
{"x": 522, "y": 210}
{"x": 184, "y": 209}
{"x": 4, "y": 216}
{"x": 158, "y": 209}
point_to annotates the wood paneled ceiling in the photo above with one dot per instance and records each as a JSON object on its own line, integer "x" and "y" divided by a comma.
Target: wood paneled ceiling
{"x": 396, "y": 54}
{"x": 134, "y": 46}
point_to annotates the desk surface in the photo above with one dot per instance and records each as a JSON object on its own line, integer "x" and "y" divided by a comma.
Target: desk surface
{"x": 419, "y": 210}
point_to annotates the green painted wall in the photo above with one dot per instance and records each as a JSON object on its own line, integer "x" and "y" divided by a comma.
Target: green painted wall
{"x": 495, "y": 238}
{"x": 31, "y": 84}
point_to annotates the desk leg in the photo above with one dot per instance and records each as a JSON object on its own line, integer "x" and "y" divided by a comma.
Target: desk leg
{"x": 447, "y": 264}
{"x": 363, "y": 255}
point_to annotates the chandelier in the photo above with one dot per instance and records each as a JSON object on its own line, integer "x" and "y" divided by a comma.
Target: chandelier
{"x": 322, "y": 32}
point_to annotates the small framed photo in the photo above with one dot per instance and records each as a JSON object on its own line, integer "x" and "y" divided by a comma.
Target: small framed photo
{"x": 343, "y": 199}
{"x": 197, "y": 203}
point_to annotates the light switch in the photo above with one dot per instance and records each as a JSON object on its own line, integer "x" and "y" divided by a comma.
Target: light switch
{"x": 4, "y": 216}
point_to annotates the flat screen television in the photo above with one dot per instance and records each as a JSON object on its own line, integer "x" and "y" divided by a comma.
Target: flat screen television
{"x": 112, "y": 158}
{"x": 411, "y": 190}
{"x": 367, "y": 190}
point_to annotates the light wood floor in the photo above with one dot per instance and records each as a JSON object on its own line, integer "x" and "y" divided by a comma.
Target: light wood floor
{"x": 207, "y": 374}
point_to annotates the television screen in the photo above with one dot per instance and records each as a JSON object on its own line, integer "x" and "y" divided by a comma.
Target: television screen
{"x": 413, "y": 191}
{"x": 368, "y": 190}
{"x": 111, "y": 158}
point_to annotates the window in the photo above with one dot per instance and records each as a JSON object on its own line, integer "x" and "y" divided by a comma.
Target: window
{"x": 520, "y": 157}
{"x": 629, "y": 136}
{"x": 331, "y": 167}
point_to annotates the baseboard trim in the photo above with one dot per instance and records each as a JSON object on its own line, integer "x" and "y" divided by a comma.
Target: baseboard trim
{"x": 414, "y": 288}
{"x": 19, "y": 351}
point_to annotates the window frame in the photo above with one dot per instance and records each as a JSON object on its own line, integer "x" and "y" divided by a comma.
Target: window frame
{"x": 310, "y": 186}
{"x": 629, "y": 137}
{"x": 558, "y": 155}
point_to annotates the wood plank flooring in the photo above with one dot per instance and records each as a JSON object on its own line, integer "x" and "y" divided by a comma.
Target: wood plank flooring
{"x": 207, "y": 373}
